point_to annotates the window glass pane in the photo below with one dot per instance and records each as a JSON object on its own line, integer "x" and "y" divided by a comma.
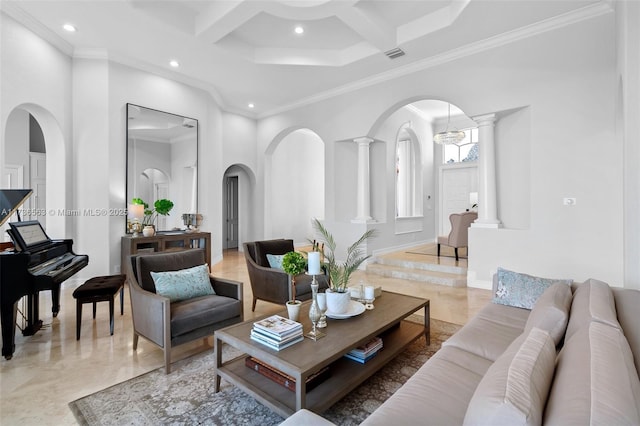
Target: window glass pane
{"x": 474, "y": 135}
{"x": 469, "y": 152}
{"x": 451, "y": 153}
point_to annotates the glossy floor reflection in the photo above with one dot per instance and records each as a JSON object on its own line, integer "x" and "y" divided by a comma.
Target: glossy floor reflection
{"x": 51, "y": 368}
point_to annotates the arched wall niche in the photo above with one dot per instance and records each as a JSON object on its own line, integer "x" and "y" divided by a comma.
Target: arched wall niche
{"x": 294, "y": 177}
{"x": 56, "y": 177}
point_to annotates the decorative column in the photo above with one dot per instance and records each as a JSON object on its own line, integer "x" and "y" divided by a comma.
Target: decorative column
{"x": 364, "y": 194}
{"x": 487, "y": 199}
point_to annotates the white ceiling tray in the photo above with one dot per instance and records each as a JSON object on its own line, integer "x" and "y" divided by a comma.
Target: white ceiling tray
{"x": 355, "y": 308}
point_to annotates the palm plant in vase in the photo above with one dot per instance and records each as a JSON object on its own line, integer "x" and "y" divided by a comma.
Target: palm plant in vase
{"x": 340, "y": 273}
{"x": 293, "y": 263}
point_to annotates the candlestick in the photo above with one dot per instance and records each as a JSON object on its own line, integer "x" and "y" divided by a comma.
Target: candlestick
{"x": 369, "y": 296}
{"x": 314, "y": 263}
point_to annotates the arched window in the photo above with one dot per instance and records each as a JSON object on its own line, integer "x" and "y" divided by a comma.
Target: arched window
{"x": 408, "y": 201}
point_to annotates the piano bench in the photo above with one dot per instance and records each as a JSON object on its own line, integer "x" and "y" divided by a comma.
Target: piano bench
{"x": 99, "y": 289}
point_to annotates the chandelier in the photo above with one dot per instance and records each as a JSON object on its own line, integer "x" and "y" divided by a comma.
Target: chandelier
{"x": 449, "y": 136}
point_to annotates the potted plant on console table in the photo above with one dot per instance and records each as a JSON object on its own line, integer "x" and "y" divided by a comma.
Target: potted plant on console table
{"x": 338, "y": 296}
{"x": 293, "y": 263}
{"x": 162, "y": 207}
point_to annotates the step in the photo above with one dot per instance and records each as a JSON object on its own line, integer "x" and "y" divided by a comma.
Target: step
{"x": 418, "y": 274}
{"x": 409, "y": 263}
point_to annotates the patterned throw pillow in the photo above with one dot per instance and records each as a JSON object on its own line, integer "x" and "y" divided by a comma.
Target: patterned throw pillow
{"x": 275, "y": 260}
{"x": 183, "y": 284}
{"x": 521, "y": 290}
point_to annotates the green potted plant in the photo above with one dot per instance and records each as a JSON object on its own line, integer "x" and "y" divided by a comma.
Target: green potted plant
{"x": 160, "y": 207}
{"x": 340, "y": 273}
{"x": 293, "y": 263}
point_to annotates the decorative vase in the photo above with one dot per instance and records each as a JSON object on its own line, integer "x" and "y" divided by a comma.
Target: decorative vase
{"x": 149, "y": 231}
{"x": 338, "y": 303}
{"x": 293, "y": 309}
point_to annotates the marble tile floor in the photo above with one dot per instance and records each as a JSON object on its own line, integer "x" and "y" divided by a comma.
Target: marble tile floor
{"x": 51, "y": 368}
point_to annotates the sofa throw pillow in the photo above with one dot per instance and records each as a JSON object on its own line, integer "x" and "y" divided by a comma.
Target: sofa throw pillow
{"x": 515, "y": 388}
{"x": 551, "y": 311}
{"x": 521, "y": 290}
{"x": 275, "y": 260}
{"x": 183, "y": 284}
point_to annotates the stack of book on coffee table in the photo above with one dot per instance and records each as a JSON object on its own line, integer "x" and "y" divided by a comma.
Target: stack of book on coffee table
{"x": 365, "y": 352}
{"x": 277, "y": 332}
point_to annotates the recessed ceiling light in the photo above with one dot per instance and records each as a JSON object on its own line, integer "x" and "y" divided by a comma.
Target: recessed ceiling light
{"x": 174, "y": 63}
{"x": 298, "y": 29}
{"x": 69, "y": 28}
{"x": 251, "y": 105}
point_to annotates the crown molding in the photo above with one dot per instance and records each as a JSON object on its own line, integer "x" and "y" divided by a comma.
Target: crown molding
{"x": 588, "y": 12}
{"x": 32, "y": 24}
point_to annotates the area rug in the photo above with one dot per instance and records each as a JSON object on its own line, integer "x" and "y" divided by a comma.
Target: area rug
{"x": 186, "y": 397}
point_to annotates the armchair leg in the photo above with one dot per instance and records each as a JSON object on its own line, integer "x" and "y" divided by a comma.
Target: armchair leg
{"x": 253, "y": 308}
{"x": 135, "y": 341}
{"x": 438, "y": 249}
{"x": 456, "y": 250}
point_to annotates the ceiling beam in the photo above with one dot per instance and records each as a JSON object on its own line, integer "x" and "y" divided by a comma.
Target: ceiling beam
{"x": 370, "y": 26}
{"x": 223, "y": 17}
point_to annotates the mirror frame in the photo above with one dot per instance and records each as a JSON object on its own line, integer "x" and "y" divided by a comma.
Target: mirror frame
{"x": 127, "y": 159}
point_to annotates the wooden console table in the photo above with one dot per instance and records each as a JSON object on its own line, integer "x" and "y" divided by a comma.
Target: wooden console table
{"x": 163, "y": 242}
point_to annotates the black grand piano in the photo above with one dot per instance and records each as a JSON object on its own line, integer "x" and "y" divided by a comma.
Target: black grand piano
{"x": 35, "y": 263}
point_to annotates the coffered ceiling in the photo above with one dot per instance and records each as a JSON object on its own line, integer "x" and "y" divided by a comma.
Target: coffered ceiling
{"x": 248, "y": 52}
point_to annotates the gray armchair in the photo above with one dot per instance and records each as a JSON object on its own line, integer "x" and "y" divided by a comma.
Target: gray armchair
{"x": 459, "y": 234}
{"x": 169, "y": 324}
{"x": 274, "y": 285}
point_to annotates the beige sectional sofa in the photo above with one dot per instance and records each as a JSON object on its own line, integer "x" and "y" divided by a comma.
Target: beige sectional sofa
{"x": 572, "y": 359}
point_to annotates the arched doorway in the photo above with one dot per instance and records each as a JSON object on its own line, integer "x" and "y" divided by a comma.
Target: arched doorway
{"x": 238, "y": 187}
{"x": 32, "y": 139}
{"x": 424, "y": 195}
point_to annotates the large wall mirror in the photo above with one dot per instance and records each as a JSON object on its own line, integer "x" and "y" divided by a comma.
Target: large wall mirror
{"x": 162, "y": 163}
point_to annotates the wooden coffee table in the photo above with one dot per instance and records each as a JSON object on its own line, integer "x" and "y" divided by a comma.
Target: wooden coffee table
{"x": 307, "y": 357}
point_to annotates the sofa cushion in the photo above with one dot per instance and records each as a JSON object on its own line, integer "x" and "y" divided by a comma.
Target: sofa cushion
{"x": 490, "y": 332}
{"x": 263, "y": 248}
{"x": 592, "y": 301}
{"x": 191, "y": 314}
{"x": 551, "y": 311}
{"x": 521, "y": 290}
{"x": 627, "y": 302}
{"x": 183, "y": 284}
{"x": 437, "y": 394}
{"x": 515, "y": 388}
{"x": 595, "y": 381}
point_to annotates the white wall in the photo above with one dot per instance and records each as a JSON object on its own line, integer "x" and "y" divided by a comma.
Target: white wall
{"x": 565, "y": 77}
